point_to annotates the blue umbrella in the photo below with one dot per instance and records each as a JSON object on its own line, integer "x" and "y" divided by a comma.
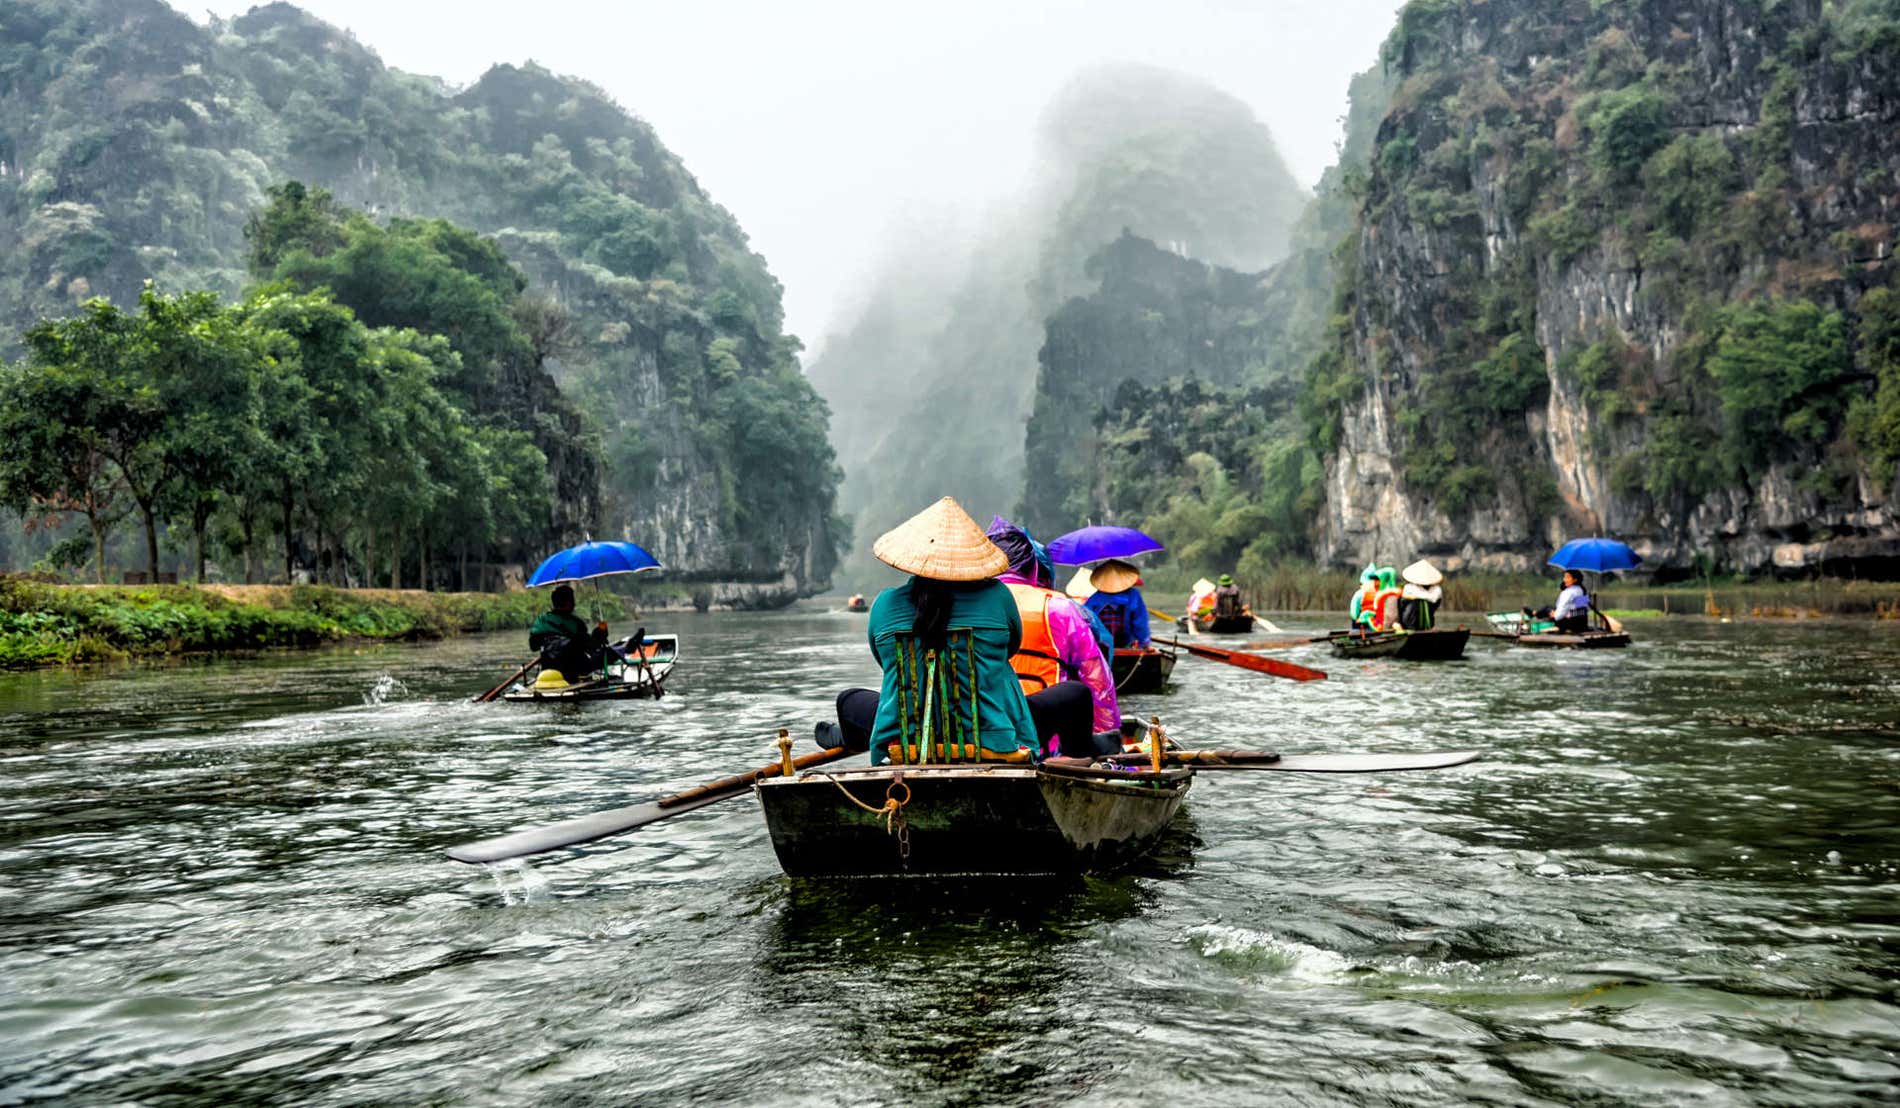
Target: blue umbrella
{"x": 1094, "y": 544}
{"x": 592, "y": 559}
{"x": 1595, "y": 555}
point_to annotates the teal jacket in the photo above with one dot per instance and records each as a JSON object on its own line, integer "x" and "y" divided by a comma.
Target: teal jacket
{"x": 996, "y": 629}
{"x": 565, "y": 624}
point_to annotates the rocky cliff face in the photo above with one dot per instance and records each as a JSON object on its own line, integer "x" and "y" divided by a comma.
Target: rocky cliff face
{"x": 134, "y": 143}
{"x": 933, "y": 399}
{"x": 1613, "y": 275}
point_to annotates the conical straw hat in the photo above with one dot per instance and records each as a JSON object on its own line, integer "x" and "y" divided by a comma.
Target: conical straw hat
{"x": 941, "y": 542}
{"x": 1422, "y": 573}
{"x": 1115, "y": 575}
{"x": 1080, "y": 587}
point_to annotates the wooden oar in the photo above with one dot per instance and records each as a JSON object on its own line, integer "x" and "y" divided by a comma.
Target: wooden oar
{"x": 512, "y": 678}
{"x": 1254, "y": 662}
{"x": 639, "y": 646}
{"x": 614, "y": 821}
{"x": 1282, "y": 644}
{"x": 1305, "y": 763}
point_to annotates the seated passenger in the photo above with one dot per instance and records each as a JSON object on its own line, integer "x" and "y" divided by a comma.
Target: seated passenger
{"x": 1227, "y": 600}
{"x": 950, "y": 626}
{"x": 1059, "y": 644}
{"x": 1117, "y": 601}
{"x": 1360, "y": 609}
{"x": 563, "y": 639}
{"x": 1418, "y": 601}
{"x": 1572, "y": 611}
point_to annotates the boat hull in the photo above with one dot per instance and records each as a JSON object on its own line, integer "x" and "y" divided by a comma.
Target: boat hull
{"x": 1142, "y": 671}
{"x": 1418, "y": 646}
{"x": 989, "y": 820}
{"x": 1218, "y": 625}
{"x": 1587, "y": 640}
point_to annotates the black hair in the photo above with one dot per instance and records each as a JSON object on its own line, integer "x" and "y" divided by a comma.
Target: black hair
{"x": 562, "y": 593}
{"x": 932, "y": 599}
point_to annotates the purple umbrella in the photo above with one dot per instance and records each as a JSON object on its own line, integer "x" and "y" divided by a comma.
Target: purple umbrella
{"x": 1094, "y": 544}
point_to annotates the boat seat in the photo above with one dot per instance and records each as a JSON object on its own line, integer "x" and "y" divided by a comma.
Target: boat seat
{"x": 1020, "y": 756}
{"x": 938, "y": 719}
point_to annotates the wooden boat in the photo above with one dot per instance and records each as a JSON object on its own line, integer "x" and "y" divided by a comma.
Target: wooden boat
{"x": 624, "y": 679}
{"x": 1535, "y": 632}
{"x": 968, "y": 819}
{"x": 1218, "y": 625}
{"x": 857, "y": 603}
{"x": 1436, "y": 645}
{"x": 1577, "y": 640}
{"x": 1142, "y": 671}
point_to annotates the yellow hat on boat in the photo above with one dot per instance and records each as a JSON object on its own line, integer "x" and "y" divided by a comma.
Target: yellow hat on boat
{"x": 943, "y": 543}
{"x": 551, "y": 679}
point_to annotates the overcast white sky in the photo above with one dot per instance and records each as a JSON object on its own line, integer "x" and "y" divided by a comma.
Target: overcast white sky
{"x": 823, "y": 124}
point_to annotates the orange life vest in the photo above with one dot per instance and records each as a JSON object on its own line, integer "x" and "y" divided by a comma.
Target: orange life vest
{"x": 1035, "y": 662}
{"x": 1364, "y": 602}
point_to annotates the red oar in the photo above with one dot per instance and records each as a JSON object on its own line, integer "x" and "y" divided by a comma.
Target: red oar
{"x": 1255, "y": 662}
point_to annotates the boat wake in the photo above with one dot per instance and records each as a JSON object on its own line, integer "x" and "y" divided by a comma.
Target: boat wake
{"x": 519, "y": 882}
{"x": 386, "y": 686}
{"x": 1260, "y": 952}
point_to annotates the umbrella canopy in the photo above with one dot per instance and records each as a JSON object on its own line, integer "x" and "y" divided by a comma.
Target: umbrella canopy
{"x": 1094, "y": 544}
{"x": 592, "y": 559}
{"x": 1596, "y": 556}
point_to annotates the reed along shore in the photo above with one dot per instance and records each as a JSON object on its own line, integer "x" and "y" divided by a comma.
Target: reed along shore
{"x": 47, "y": 624}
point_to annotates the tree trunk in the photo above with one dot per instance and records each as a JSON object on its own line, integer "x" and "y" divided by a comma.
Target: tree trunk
{"x": 98, "y": 546}
{"x": 247, "y": 524}
{"x": 151, "y": 539}
{"x": 461, "y": 569}
{"x": 289, "y": 558}
{"x": 200, "y": 522}
{"x": 422, "y": 552}
{"x": 395, "y": 555}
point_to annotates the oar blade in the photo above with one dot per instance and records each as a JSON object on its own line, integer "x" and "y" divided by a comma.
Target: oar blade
{"x": 1363, "y": 763}
{"x": 581, "y": 829}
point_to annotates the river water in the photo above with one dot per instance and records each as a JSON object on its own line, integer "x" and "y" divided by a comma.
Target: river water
{"x": 1675, "y": 878}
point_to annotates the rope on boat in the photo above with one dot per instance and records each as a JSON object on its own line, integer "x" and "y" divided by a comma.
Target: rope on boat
{"x": 893, "y": 808}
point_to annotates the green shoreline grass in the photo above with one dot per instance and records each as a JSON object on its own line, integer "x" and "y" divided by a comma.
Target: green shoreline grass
{"x": 44, "y": 624}
{"x": 1310, "y": 589}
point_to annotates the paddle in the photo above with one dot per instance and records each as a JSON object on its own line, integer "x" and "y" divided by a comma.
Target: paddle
{"x": 1254, "y": 662}
{"x": 1282, "y": 644}
{"x": 512, "y": 678}
{"x": 1305, "y": 763}
{"x": 640, "y": 648}
{"x": 614, "y": 821}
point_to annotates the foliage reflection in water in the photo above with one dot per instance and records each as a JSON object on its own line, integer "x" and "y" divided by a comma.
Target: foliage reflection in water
{"x": 1674, "y": 877}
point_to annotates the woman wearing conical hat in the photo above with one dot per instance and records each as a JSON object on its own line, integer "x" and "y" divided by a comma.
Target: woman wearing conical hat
{"x": 1117, "y": 602}
{"x": 952, "y": 612}
{"x": 1419, "y": 599}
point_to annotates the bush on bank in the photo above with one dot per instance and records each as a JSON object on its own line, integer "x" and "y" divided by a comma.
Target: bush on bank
{"x": 49, "y": 624}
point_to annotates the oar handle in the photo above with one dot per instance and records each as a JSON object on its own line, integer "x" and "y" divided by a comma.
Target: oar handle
{"x": 741, "y": 780}
{"x": 496, "y": 691}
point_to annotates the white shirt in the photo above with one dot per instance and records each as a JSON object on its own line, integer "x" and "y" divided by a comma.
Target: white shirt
{"x": 1573, "y": 601}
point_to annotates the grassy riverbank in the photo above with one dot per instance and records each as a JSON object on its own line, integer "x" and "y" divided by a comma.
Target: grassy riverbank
{"x": 44, "y": 624}
{"x": 1311, "y": 589}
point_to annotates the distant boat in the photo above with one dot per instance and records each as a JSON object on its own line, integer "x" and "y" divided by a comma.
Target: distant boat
{"x": 1142, "y": 671}
{"x": 1526, "y": 630}
{"x": 622, "y": 679}
{"x": 1418, "y": 646}
{"x": 1219, "y": 625}
{"x": 857, "y": 603}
